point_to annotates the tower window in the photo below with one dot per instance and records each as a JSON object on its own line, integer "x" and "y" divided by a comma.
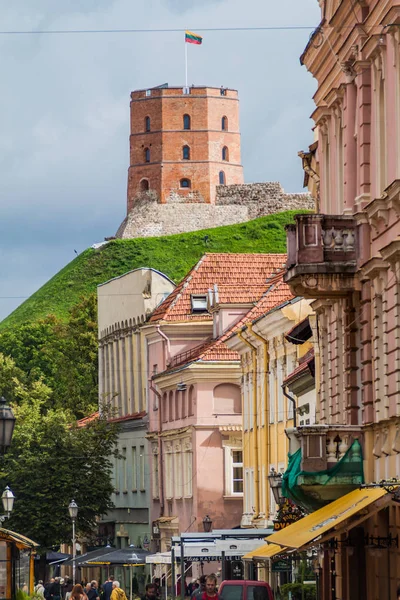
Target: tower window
{"x": 185, "y": 183}
{"x": 186, "y": 122}
{"x": 225, "y": 153}
{"x": 147, "y": 155}
{"x": 224, "y": 123}
{"x": 186, "y": 153}
{"x": 221, "y": 178}
{"x": 147, "y": 124}
{"x": 144, "y": 185}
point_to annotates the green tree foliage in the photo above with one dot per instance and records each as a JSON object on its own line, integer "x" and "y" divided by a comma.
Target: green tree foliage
{"x": 62, "y": 354}
{"x": 50, "y": 462}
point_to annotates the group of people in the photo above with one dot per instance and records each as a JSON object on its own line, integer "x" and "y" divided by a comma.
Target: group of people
{"x": 63, "y": 589}
{"x": 57, "y": 588}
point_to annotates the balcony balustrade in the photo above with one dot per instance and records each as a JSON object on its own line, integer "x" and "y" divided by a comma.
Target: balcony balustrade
{"x": 321, "y": 255}
{"x": 327, "y": 462}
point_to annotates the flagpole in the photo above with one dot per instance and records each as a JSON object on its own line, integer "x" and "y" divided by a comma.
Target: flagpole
{"x": 186, "y": 64}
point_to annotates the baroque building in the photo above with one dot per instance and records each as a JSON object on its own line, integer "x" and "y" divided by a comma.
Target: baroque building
{"x": 346, "y": 258}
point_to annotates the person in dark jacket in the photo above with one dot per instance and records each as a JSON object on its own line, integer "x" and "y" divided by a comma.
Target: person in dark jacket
{"x": 55, "y": 590}
{"x": 107, "y": 588}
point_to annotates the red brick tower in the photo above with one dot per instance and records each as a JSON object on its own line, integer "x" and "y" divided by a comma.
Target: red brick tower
{"x": 183, "y": 143}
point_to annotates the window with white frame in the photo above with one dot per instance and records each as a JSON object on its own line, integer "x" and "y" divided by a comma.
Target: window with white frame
{"x": 168, "y": 474}
{"x": 188, "y": 474}
{"x": 279, "y": 391}
{"x": 141, "y": 469}
{"x": 134, "y": 469}
{"x": 248, "y": 491}
{"x": 233, "y": 471}
{"x": 271, "y": 394}
{"x": 124, "y": 482}
{"x": 178, "y": 492}
{"x": 237, "y": 472}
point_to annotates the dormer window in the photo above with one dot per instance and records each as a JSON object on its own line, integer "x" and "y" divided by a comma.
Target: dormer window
{"x": 199, "y": 303}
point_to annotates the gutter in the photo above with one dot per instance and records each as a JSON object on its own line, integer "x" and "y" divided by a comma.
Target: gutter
{"x": 267, "y": 449}
{"x": 162, "y": 334}
{"x": 293, "y": 401}
{"x": 255, "y": 432}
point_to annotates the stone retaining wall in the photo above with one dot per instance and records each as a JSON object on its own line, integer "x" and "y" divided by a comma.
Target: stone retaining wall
{"x": 234, "y": 204}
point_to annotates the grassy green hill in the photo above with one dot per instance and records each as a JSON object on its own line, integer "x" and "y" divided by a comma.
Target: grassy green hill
{"x": 173, "y": 255}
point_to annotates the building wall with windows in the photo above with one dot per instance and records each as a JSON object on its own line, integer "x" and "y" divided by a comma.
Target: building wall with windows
{"x": 267, "y": 358}
{"x": 123, "y": 306}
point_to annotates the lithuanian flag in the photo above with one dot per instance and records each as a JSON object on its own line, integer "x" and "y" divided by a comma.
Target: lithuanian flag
{"x": 193, "y": 38}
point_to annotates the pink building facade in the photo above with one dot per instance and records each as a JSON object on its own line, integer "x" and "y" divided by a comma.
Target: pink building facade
{"x": 347, "y": 258}
{"x": 195, "y": 412}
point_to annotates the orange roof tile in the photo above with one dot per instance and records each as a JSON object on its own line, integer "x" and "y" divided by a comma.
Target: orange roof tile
{"x": 275, "y": 295}
{"x": 241, "y": 279}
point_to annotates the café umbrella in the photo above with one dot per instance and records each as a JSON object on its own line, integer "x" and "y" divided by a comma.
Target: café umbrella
{"x": 125, "y": 557}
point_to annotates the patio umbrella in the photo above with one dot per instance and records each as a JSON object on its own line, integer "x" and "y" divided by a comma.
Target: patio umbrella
{"x": 126, "y": 557}
{"x": 82, "y": 559}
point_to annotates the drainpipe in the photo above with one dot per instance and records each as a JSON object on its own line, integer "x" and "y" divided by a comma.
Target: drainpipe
{"x": 160, "y": 448}
{"x": 266, "y": 449}
{"x": 162, "y": 334}
{"x": 293, "y": 401}
{"x": 255, "y": 432}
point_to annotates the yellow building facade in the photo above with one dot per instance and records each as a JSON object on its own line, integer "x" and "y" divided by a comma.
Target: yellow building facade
{"x": 267, "y": 359}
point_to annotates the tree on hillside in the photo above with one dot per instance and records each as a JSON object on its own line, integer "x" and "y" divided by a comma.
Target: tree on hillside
{"x": 61, "y": 354}
{"x": 51, "y": 462}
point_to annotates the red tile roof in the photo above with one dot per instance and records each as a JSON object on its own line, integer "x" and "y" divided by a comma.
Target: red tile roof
{"x": 275, "y": 295}
{"x": 241, "y": 279}
{"x": 86, "y": 420}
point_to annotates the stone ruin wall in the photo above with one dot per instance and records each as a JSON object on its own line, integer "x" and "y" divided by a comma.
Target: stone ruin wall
{"x": 234, "y": 204}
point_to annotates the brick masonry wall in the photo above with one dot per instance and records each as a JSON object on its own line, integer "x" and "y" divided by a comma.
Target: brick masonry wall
{"x": 234, "y": 204}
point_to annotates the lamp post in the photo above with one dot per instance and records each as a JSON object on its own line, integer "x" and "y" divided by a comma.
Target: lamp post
{"x": 7, "y": 498}
{"x": 207, "y": 524}
{"x": 275, "y": 483}
{"x": 73, "y": 513}
{"x": 7, "y": 422}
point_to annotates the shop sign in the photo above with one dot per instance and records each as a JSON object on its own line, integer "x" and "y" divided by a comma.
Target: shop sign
{"x": 281, "y": 566}
{"x": 288, "y": 513}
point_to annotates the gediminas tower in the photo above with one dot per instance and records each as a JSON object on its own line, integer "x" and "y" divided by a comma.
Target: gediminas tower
{"x": 183, "y": 143}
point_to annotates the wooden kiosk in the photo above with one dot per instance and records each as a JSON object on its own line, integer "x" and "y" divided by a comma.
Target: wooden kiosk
{"x": 16, "y": 564}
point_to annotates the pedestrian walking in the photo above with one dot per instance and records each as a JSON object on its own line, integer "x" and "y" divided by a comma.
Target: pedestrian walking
{"x": 211, "y": 588}
{"x": 92, "y": 592}
{"x": 78, "y": 593}
{"x": 117, "y": 593}
{"x": 55, "y": 589}
{"x": 198, "y": 592}
{"x": 39, "y": 588}
{"x": 107, "y": 588}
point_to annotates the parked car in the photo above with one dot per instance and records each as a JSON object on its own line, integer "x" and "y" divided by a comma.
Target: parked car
{"x": 241, "y": 589}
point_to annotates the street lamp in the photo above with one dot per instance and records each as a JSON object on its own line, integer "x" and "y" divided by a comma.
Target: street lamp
{"x": 275, "y": 483}
{"x": 207, "y": 524}
{"x": 7, "y": 422}
{"x": 7, "y": 498}
{"x": 73, "y": 513}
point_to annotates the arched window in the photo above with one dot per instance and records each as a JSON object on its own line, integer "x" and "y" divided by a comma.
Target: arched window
{"x": 224, "y": 123}
{"x": 147, "y": 124}
{"x": 144, "y": 185}
{"x": 146, "y": 155}
{"x": 185, "y": 183}
{"x": 186, "y": 153}
{"x": 225, "y": 153}
{"x": 221, "y": 178}
{"x": 186, "y": 122}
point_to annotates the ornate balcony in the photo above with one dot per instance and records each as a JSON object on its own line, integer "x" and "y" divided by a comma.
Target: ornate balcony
{"x": 321, "y": 255}
{"x": 326, "y": 462}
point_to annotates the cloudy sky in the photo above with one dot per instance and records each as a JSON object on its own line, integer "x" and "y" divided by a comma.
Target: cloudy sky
{"x": 64, "y": 107}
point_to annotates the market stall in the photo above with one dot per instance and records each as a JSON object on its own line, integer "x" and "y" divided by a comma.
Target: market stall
{"x": 16, "y": 564}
